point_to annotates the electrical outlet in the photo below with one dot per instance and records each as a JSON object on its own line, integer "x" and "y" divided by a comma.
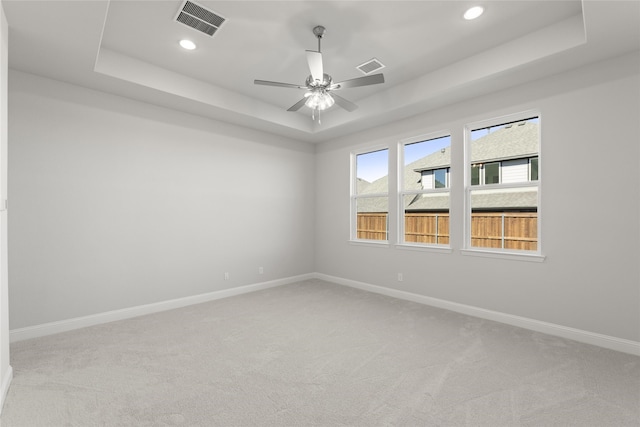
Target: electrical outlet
{"x": 399, "y": 277}
{"x": 226, "y": 276}
{"x": 260, "y": 270}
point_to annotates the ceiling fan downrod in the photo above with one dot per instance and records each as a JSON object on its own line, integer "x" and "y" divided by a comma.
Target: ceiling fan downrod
{"x": 319, "y": 31}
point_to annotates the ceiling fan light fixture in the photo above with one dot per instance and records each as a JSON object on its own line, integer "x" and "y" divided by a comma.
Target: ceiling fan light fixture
{"x": 319, "y": 84}
{"x": 473, "y": 12}
{"x": 319, "y": 100}
{"x": 187, "y": 44}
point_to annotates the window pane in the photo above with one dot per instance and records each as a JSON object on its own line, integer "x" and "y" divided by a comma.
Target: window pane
{"x": 512, "y": 143}
{"x": 372, "y": 170}
{"x": 534, "y": 169}
{"x": 505, "y": 218}
{"x": 440, "y": 176}
{"x": 426, "y": 218}
{"x": 475, "y": 174}
{"x": 492, "y": 173}
{"x": 421, "y": 159}
{"x": 372, "y": 221}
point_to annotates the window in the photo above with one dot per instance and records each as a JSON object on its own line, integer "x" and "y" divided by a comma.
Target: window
{"x": 475, "y": 174}
{"x": 533, "y": 169}
{"x": 436, "y": 178}
{"x": 503, "y": 187}
{"x": 440, "y": 176}
{"x": 492, "y": 173}
{"x": 370, "y": 196}
{"x": 518, "y": 170}
{"x": 424, "y": 190}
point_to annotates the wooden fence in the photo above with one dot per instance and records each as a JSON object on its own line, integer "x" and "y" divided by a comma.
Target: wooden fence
{"x": 372, "y": 226}
{"x": 426, "y": 228}
{"x": 517, "y": 230}
{"x": 507, "y": 230}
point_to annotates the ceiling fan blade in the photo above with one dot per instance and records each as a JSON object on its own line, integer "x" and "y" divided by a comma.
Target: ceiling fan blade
{"x": 269, "y": 83}
{"x": 298, "y": 105}
{"x": 373, "y": 79}
{"x": 347, "y": 105}
{"x": 315, "y": 65}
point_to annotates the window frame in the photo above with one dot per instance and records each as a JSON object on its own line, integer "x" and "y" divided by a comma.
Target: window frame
{"x": 353, "y": 206}
{"x": 402, "y": 192}
{"x": 467, "y": 248}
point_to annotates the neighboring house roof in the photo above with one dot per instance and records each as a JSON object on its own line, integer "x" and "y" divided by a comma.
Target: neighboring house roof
{"x": 520, "y": 198}
{"x": 439, "y": 159}
{"x": 513, "y": 198}
{"x": 373, "y": 204}
{"x": 361, "y": 185}
{"x": 514, "y": 142}
{"x": 517, "y": 141}
{"x": 428, "y": 202}
{"x": 378, "y": 186}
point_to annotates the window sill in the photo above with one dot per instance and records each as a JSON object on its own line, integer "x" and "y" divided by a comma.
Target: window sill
{"x": 503, "y": 255}
{"x": 424, "y": 248}
{"x": 371, "y": 243}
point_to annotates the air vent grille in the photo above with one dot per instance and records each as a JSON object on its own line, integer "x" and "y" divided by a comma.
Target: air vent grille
{"x": 370, "y": 66}
{"x": 199, "y": 18}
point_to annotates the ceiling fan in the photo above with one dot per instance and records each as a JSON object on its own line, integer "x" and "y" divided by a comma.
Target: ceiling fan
{"x": 320, "y": 86}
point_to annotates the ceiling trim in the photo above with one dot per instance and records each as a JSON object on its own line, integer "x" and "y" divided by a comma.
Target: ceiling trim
{"x": 415, "y": 95}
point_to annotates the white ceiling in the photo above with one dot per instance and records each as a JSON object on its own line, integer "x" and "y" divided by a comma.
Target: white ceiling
{"x": 433, "y": 56}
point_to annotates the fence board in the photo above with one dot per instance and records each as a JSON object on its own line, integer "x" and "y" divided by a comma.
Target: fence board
{"x": 520, "y": 229}
{"x": 372, "y": 226}
{"x": 426, "y": 228}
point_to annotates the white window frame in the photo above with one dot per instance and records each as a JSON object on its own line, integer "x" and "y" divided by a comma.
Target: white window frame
{"x": 536, "y": 255}
{"x": 402, "y": 244}
{"x": 353, "y": 211}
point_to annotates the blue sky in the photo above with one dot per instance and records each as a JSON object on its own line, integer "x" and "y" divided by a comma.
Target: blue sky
{"x": 372, "y": 166}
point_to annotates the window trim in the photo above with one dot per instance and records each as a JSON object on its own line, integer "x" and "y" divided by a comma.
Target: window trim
{"x": 353, "y": 196}
{"x": 467, "y": 249}
{"x": 400, "y": 240}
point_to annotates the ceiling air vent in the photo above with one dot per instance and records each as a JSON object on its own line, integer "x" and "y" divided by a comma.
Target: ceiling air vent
{"x": 199, "y": 18}
{"x": 370, "y": 66}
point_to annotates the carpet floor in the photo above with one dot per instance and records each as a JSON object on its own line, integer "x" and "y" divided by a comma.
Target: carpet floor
{"x": 317, "y": 354}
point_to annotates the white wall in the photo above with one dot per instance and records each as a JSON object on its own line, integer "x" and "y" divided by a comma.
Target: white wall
{"x": 116, "y": 203}
{"x": 590, "y": 279}
{"x": 5, "y": 368}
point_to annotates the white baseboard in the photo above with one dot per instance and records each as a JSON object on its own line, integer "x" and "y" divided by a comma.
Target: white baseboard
{"x": 606, "y": 341}
{"x": 6, "y": 382}
{"x": 127, "y": 313}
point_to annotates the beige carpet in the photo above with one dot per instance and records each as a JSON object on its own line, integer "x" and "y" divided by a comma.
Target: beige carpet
{"x": 315, "y": 353}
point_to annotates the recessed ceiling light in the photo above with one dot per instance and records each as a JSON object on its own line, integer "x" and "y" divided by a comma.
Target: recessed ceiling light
{"x": 187, "y": 44}
{"x": 473, "y": 12}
